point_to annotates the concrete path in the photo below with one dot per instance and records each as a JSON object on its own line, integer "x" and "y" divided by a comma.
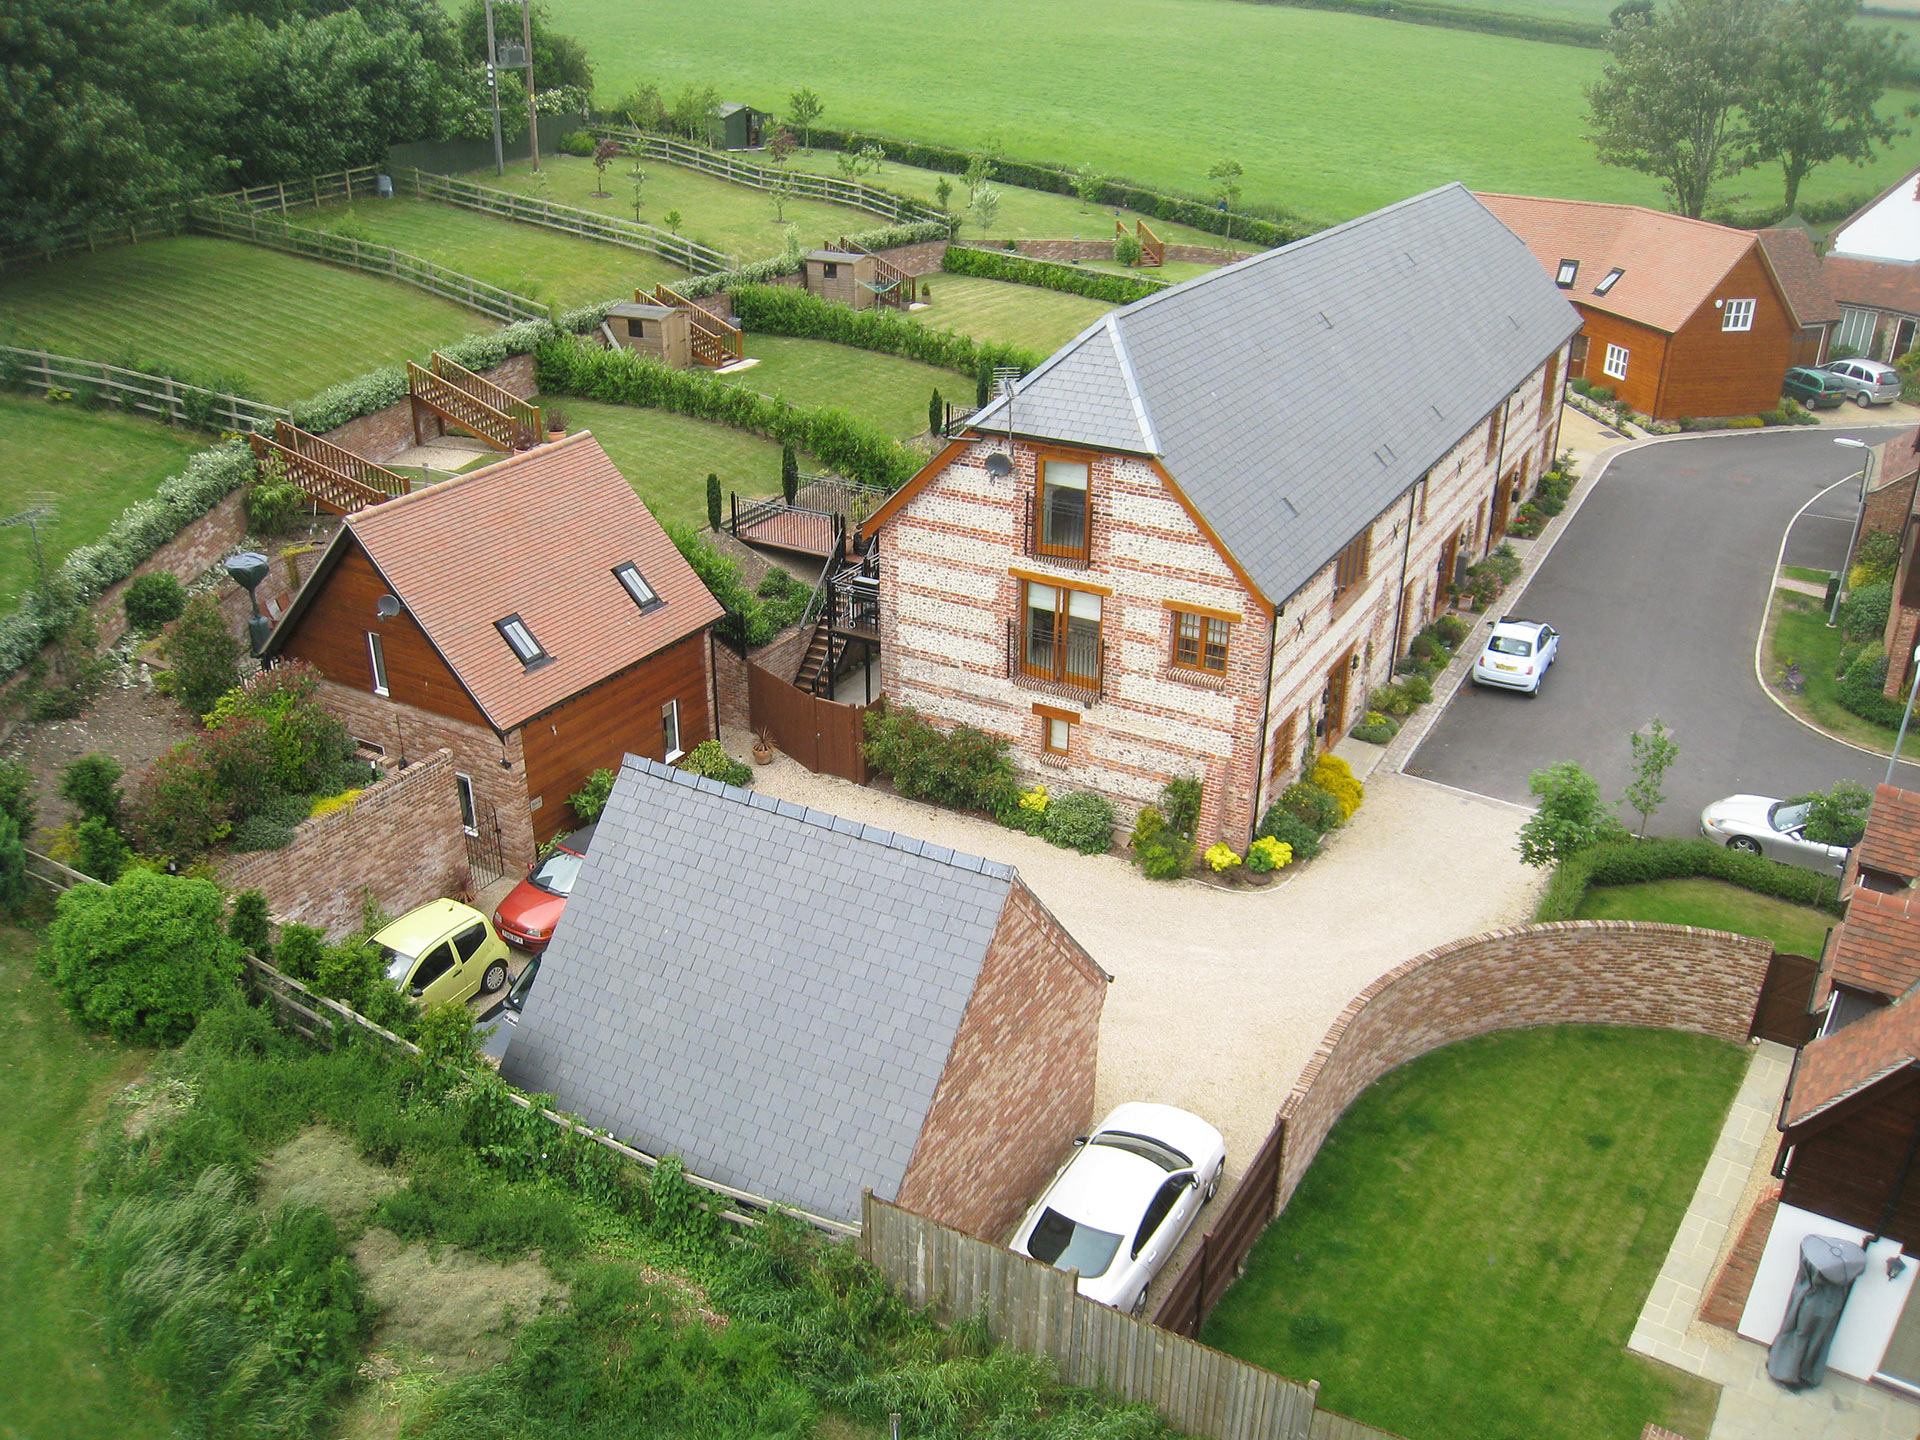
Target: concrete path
{"x": 1752, "y": 1407}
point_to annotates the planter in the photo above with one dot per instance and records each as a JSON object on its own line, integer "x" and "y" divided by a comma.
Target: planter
{"x": 559, "y": 434}
{"x": 1256, "y": 878}
{"x": 762, "y": 753}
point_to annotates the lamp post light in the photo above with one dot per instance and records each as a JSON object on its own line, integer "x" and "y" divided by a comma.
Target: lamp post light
{"x": 248, "y": 568}
{"x": 1905, "y": 716}
{"x": 1860, "y": 515}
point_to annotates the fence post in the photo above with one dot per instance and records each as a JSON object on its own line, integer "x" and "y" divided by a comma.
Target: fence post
{"x": 283, "y": 197}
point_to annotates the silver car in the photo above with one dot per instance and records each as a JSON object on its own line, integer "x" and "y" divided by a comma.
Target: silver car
{"x": 1867, "y": 382}
{"x": 1773, "y": 828}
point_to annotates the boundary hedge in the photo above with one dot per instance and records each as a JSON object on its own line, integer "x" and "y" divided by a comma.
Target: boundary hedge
{"x": 1635, "y": 862}
{"x": 759, "y": 272}
{"x": 784, "y": 310}
{"x": 1048, "y": 275}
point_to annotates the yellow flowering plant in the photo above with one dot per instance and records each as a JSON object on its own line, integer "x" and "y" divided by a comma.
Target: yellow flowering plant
{"x": 1222, "y": 857}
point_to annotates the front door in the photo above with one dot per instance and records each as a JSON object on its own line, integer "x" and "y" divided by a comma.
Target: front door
{"x": 1449, "y": 557}
{"x": 1902, "y": 340}
{"x": 1577, "y": 358}
{"x": 1333, "y": 700}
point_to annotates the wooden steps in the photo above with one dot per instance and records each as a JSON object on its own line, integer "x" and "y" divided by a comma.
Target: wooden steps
{"x": 892, "y": 285}
{"x": 715, "y": 342}
{"x": 1153, "y": 250}
{"x": 336, "y": 480}
{"x": 454, "y": 395}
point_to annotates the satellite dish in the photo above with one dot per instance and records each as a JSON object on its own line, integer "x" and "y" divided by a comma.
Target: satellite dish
{"x": 999, "y": 465}
{"x": 387, "y": 607}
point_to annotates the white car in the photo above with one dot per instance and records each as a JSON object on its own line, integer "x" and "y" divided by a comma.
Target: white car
{"x": 1119, "y": 1207}
{"x": 1760, "y": 825}
{"x": 1868, "y": 382}
{"x": 1517, "y": 655}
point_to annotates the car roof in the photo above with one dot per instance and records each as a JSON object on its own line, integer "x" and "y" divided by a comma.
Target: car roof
{"x": 1106, "y": 1187}
{"x": 426, "y": 924}
{"x": 1514, "y": 625}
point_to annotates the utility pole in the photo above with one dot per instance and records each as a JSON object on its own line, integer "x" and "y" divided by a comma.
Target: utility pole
{"x": 533, "y": 120}
{"x": 493, "y": 94}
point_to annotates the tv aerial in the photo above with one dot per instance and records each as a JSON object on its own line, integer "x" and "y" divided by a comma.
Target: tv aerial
{"x": 40, "y": 511}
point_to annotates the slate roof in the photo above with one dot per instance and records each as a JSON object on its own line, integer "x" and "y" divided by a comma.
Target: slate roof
{"x": 1877, "y": 947}
{"x": 1671, "y": 264}
{"x": 1295, "y": 395}
{"x": 1796, "y": 265}
{"x": 767, "y": 991}
{"x": 1874, "y": 284}
{"x": 536, "y": 535}
{"x": 1892, "y": 839}
{"x": 1835, "y": 1067}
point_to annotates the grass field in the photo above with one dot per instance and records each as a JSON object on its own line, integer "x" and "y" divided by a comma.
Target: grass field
{"x": 1330, "y": 114}
{"x": 1796, "y": 929}
{"x": 95, "y": 464}
{"x": 1042, "y": 320}
{"x": 1801, "y": 636}
{"x": 668, "y": 457}
{"x": 1468, "y": 1253}
{"x": 526, "y": 259}
{"x": 286, "y": 327}
{"x": 885, "y": 389}
{"x": 56, "y": 1378}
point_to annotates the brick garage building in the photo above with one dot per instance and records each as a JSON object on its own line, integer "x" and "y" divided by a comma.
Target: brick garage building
{"x": 531, "y": 617}
{"x": 803, "y": 1007}
{"x": 1196, "y": 536}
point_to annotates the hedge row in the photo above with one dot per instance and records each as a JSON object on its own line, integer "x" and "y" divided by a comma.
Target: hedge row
{"x": 1635, "y": 862}
{"x": 1463, "y": 17}
{"x": 851, "y": 447}
{"x": 785, "y": 310}
{"x": 1049, "y": 275}
{"x": 760, "y": 272}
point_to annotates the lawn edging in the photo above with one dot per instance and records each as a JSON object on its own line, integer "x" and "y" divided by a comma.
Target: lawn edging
{"x": 1636, "y": 862}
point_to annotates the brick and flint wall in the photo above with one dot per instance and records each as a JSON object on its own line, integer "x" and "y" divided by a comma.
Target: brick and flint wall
{"x": 1018, "y": 1081}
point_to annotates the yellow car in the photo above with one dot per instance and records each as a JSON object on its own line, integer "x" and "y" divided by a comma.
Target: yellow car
{"x": 443, "y": 951}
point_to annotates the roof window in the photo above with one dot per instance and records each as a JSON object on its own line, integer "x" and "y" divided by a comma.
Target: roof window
{"x": 1563, "y": 277}
{"x": 1609, "y": 280}
{"x": 629, "y": 576}
{"x": 515, "y": 632}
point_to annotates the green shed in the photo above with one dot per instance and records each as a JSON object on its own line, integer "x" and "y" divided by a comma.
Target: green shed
{"x": 733, "y": 126}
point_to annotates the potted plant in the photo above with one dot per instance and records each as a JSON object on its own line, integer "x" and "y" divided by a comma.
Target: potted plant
{"x": 763, "y": 748}
{"x": 556, "y": 423}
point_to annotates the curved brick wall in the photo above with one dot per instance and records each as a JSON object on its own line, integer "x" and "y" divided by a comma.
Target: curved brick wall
{"x": 1579, "y": 972}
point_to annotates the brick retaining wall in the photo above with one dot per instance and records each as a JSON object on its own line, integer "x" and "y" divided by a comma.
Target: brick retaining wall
{"x": 781, "y": 655}
{"x": 385, "y": 433}
{"x": 401, "y": 841}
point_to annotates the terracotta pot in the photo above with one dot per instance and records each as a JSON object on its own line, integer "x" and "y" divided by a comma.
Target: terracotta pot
{"x": 763, "y": 754}
{"x": 553, "y": 434}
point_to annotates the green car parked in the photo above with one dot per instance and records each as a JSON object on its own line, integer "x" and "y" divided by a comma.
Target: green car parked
{"x": 1815, "y": 389}
{"x": 443, "y": 951}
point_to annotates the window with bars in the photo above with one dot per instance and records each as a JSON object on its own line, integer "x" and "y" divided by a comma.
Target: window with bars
{"x": 1351, "y": 566}
{"x": 1200, "y": 642}
{"x": 1063, "y": 514}
{"x": 1060, "y": 634}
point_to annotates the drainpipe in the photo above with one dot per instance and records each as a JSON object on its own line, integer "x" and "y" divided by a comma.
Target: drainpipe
{"x": 1400, "y": 605}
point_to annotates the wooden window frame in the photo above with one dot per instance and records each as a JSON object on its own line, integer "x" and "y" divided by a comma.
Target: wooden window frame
{"x": 1058, "y": 674}
{"x": 1730, "y": 309}
{"x": 1042, "y": 458}
{"x": 1606, "y": 366}
{"x": 377, "y": 656}
{"x": 1553, "y": 378}
{"x": 1049, "y": 716}
{"x": 1350, "y": 566}
{"x": 1203, "y": 622}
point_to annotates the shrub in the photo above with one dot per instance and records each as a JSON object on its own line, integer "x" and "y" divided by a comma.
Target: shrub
{"x": 1635, "y": 862}
{"x": 300, "y": 952}
{"x": 1375, "y": 730}
{"x": 1417, "y": 688}
{"x": 332, "y": 804}
{"x": 1877, "y": 557}
{"x": 1081, "y": 821}
{"x": 101, "y": 851}
{"x": 1221, "y": 857}
{"x": 91, "y": 785}
{"x": 152, "y": 601}
{"x": 1267, "y": 854}
{"x": 1335, "y": 776}
{"x": 1168, "y": 858}
{"x": 17, "y": 795}
{"x": 785, "y": 310}
{"x": 1452, "y": 630}
{"x": 179, "y": 807}
{"x": 963, "y": 769}
{"x": 710, "y": 759}
{"x": 1019, "y": 270}
{"x": 591, "y": 798}
{"x": 203, "y": 655}
{"x": 1126, "y": 250}
{"x": 1162, "y": 841}
{"x": 1571, "y": 816}
{"x": 1024, "y": 810}
{"x": 1863, "y": 614}
{"x": 576, "y": 142}
{"x": 305, "y": 743}
{"x": 142, "y": 958}
{"x": 250, "y": 924}
{"x": 1838, "y": 816}
{"x": 1312, "y": 805}
{"x": 714, "y": 512}
{"x": 13, "y": 868}
{"x": 240, "y": 754}
{"x": 275, "y": 507}
{"x": 1180, "y": 803}
{"x": 1390, "y": 700}
{"x": 1282, "y": 825}
{"x": 1862, "y": 685}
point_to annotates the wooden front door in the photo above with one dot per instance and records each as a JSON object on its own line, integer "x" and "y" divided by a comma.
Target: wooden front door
{"x": 1333, "y": 700}
{"x": 1502, "y": 504}
{"x": 1449, "y": 557}
{"x": 1577, "y": 358}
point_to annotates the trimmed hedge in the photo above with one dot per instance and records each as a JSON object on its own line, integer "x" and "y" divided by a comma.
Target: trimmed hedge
{"x": 1022, "y": 270}
{"x": 784, "y": 310}
{"x": 760, "y": 272}
{"x": 1635, "y": 862}
{"x": 848, "y": 446}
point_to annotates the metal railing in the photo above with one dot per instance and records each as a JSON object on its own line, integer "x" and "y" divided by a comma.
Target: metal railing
{"x": 1074, "y": 668}
{"x": 162, "y": 396}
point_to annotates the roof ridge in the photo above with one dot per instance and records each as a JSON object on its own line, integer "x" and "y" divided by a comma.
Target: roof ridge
{"x": 825, "y": 820}
{"x": 1665, "y": 215}
{"x": 453, "y": 483}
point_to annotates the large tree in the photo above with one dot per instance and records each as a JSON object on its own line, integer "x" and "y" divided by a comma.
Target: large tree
{"x": 1817, "y": 95}
{"x": 1669, "y": 103}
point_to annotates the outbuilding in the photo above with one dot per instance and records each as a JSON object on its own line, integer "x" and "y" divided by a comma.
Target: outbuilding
{"x": 733, "y": 126}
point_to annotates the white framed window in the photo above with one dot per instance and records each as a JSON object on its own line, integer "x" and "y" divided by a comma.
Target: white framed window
{"x": 1856, "y": 329}
{"x": 670, "y": 730}
{"x": 1616, "y": 365}
{"x": 1737, "y": 315}
{"x": 469, "y": 813}
{"x": 379, "y": 658}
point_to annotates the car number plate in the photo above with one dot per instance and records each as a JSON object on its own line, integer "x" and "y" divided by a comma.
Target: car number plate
{"x": 1498, "y": 666}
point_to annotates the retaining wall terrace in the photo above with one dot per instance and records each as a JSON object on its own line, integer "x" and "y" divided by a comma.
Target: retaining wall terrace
{"x": 385, "y": 433}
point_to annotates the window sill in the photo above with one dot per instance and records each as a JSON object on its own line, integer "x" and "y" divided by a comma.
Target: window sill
{"x": 1053, "y": 761}
{"x": 1088, "y": 694}
{"x": 673, "y": 755}
{"x": 1199, "y": 679}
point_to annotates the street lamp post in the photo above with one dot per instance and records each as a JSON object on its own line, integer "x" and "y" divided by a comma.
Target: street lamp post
{"x": 1905, "y": 716}
{"x": 1860, "y": 515}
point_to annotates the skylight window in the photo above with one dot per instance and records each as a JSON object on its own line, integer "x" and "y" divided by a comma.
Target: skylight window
{"x": 515, "y": 632}
{"x": 1563, "y": 277}
{"x": 1609, "y": 280}
{"x": 636, "y": 585}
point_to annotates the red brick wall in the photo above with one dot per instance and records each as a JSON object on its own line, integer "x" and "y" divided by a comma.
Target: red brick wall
{"x": 401, "y": 841}
{"x": 1582, "y": 972}
{"x": 1018, "y": 1081}
{"x": 385, "y": 433}
{"x": 781, "y": 655}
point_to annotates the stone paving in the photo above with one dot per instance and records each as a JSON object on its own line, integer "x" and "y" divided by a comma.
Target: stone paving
{"x": 1752, "y": 1407}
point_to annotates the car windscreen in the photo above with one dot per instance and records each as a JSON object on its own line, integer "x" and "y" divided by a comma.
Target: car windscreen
{"x": 397, "y": 964}
{"x": 1147, "y": 1148}
{"x": 1510, "y": 645}
{"x": 1068, "y": 1245}
{"x": 557, "y": 873}
{"x": 1788, "y": 817}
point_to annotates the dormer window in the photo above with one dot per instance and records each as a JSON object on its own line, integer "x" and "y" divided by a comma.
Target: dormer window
{"x": 520, "y": 639}
{"x": 1609, "y": 280}
{"x": 636, "y": 585}
{"x": 1564, "y": 276}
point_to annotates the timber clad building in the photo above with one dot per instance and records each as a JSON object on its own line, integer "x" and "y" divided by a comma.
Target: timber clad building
{"x": 1681, "y": 317}
{"x": 1193, "y": 539}
{"x": 532, "y": 617}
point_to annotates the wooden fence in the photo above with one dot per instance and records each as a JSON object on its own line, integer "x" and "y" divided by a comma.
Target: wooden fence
{"x": 1784, "y": 1013}
{"x": 823, "y": 735}
{"x": 173, "y": 401}
{"x": 343, "y": 187}
{"x": 1236, "y": 1225}
{"x": 1038, "y": 1309}
{"x": 689, "y": 255}
{"x": 423, "y": 274}
{"x": 804, "y": 185}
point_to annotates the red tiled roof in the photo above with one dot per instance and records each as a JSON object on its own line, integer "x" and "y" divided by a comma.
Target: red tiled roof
{"x": 1874, "y": 284}
{"x": 1892, "y": 840}
{"x": 537, "y": 536}
{"x": 1671, "y": 263}
{"x": 1877, "y": 947}
{"x": 1849, "y": 1060}
{"x": 1796, "y": 265}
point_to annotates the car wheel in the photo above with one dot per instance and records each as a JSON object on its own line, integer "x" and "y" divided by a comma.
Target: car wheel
{"x": 1863, "y": 400}
{"x": 1139, "y": 1304}
{"x": 1213, "y": 1188}
{"x": 495, "y": 977}
{"x": 1534, "y": 693}
{"x": 1745, "y": 844}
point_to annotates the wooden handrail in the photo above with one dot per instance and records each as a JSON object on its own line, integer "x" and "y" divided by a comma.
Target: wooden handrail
{"x": 330, "y": 489}
{"x": 464, "y": 409}
{"x": 325, "y": 452}
{"x": 484, "y": 390}
{"x": 715, "y": 342}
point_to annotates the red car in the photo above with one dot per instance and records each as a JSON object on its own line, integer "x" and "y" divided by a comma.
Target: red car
{"x": 530, "y": 912}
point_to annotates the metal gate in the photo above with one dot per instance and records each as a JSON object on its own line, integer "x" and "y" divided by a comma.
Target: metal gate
{"x": 486, "y": 847}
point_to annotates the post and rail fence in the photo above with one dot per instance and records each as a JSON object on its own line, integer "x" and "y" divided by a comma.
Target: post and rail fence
{"x": 162, "y": 396}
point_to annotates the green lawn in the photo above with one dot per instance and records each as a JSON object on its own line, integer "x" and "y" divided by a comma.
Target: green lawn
{"x": 285, "y": 327}
{"x": 1467, "y": 1255}
{"x": 667, "y": 457}
{"x": 1330, "y": 114}
{"x": 1806, "y": 572}
{"x": 1042, "y": 320}
{"x": 58, "y": 1382}
{"x": 885, "y": 389}
{"x": 1801, "y": 636}
{"x": 526, "y": 259}
{"x": 94, "y": 464}
{"x": 1714, "y": 904}
{"x": 1174, "y": 272}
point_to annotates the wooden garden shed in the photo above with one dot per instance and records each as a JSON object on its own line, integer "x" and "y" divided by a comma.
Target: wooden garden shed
{"x": 733, "y": 126}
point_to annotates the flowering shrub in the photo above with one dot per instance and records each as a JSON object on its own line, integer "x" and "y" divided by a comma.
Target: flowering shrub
{"x": 1034, "y": 799}
{"x": 1267, "y": 854}
{"x": 1335, "y": 776}
{"x": 330, "y": 803}
{"x": 1222, "y": 856}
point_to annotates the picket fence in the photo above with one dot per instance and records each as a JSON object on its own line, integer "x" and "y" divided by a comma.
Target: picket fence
{"x": 161, "y": 396}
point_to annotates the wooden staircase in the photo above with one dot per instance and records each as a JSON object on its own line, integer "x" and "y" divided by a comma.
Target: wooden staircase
{"x": 815, "y": 675}
{"x": 891, "y": 285}
{"x": 1153, "y": 250}
{"x": 715, "y": 342}
{"x": 454, "y": 395}
{"x": 335, "y": 479}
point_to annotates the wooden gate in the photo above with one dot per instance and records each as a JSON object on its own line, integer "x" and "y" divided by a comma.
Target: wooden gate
{"x": 1191, "y": 1298}
{"x": 823, "y": 735}
{"x": 1782, "y": 1012}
